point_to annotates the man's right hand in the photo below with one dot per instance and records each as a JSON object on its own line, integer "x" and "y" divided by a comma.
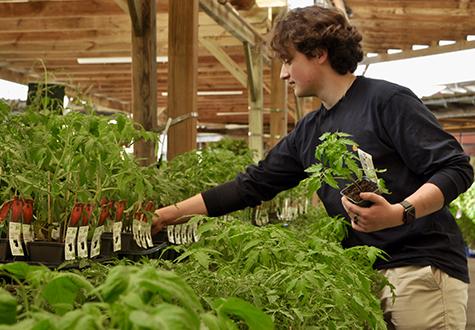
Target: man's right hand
{"x": 177, "y": 213}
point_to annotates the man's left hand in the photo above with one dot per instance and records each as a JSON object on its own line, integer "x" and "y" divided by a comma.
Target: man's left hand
{"x": 380, "y": 215}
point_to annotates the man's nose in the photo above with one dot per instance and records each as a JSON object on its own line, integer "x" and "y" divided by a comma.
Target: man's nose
{"x": 284, "y": 74}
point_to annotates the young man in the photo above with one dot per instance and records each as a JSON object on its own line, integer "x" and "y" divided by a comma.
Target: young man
{"x": 426, "y": 170}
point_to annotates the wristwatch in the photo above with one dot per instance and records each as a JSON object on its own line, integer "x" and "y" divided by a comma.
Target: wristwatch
{"x": 409, "y": 214}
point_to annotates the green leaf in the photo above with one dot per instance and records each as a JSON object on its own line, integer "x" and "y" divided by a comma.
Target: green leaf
{"x": 202, "y": 258}
{"x": 165, "y": 316}
{"x": 21, "y": 270}
{"x": 251, "y": 315}
{"x": 116, "y": 283}
{"x": 330, "y": 180}
{"x": 61, "y": 292}
{"x": 8, "y": 307}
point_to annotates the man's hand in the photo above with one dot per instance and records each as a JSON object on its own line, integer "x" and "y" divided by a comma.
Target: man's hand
{"x": 158, "y": 222}
{"x": 380, "y": 215}
{"x": 178, "y": 213}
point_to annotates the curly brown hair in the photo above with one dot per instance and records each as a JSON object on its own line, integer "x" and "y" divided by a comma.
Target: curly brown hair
{"x": 312, "y": 29}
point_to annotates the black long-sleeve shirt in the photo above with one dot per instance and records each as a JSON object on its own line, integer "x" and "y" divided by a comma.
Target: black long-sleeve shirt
{"x": 402, "y": 135}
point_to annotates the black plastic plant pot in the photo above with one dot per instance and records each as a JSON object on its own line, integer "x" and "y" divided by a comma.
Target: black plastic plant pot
{"x": 5, "y": 253}
{"x": 47, "y": 253}
{"x": 352, "y": 191}
{"x": 107, "y": 246}
{"x": 160, "y": 237}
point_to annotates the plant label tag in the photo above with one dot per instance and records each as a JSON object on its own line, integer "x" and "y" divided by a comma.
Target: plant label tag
{"x": 184, "y": 237}
{"x": 189, "y": 233}
{"x": 116, "y": 231}
{"x": 196, "y": 236}
{"x": 28, "y": 235}
{"x": 14, "y": 231}
{"x": 140, "y": 235}
{"x": 171, "y": 234}
{"x": 55, "y": 234}
{"x": 147, "y": 230}
{"x": 177, "y": 233}
{"x": 366, "y": 161}
{"x": 136, "y": 230}
{"x": 96, "y": 241}
{"x": 70, "y": 243}
{"x": 82, "y": 241}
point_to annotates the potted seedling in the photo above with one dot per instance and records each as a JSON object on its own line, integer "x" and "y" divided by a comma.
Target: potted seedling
{"x": 337, "y": 160}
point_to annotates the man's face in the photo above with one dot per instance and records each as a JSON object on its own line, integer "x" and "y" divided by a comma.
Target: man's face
{"x": 302, "y": 74}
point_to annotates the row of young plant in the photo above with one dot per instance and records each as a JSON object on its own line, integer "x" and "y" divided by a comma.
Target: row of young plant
{"x": 298, "y": 274}
{"x": 64, "y": 178}
{"x": 120, "y": 297}
{"x": 74, "y": 170}
{"x": 237, "y": 276}
{"x": 294, "y": 268}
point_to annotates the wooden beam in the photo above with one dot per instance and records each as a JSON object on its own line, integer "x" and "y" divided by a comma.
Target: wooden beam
{"x": 136, "y": 17}
{"x": 225, "y": 60}
{"x": 255, "y": 65}
{"x": 460, "y": 45}
{"x": 182, "y": 82}
{"x": 144, "y": 75}
{"x": 226, "y": 16}
{"x": 453, "y": 111}
{"x": 278, "y": 116}
{"x": 54, "y": 9}
{"x": 123, "y": 4}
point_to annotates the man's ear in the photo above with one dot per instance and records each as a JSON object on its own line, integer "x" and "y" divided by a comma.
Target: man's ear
{"x": 322, "y": 56}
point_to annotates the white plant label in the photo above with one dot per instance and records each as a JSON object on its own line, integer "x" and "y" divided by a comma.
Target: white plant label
{"x": 28, "y": 235}
{"x": 177, "y": 233}
{"x": 82, "y": 241}
{"x": 196, "y": 236}
{"x": 96, "y": 241}
{"x": 14, "y": 232}
{"x": 184, "y": 237}
{"x": 171, "y": 234}
{"x": 116, "y": 231}
{"x": 141, "y": 242}
{"x": 366, "y": 161}
{"x": 136, "y": 231}
{"x": 147, "y": 230}
{"x": 189, "y": 233}
{"x": 70, "y": 243}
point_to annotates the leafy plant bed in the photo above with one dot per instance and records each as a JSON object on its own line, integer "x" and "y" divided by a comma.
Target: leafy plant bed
{"x": 352, "y": 192}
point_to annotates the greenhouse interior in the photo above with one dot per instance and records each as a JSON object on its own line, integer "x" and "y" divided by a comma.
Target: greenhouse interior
{"x": 237, "y": 164}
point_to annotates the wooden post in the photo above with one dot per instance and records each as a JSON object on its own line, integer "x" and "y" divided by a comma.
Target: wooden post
{"x": 182, "y": 74}
{"x": 278, "y": 103}
{"x": 144, "y": 73}
{"x": 256, "y": 99}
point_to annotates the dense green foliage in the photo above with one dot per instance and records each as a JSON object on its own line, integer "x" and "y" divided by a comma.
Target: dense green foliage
{"x": 463, "y": 208}
{"x": 298, "y": 274}
{"x": 130, "y": 297}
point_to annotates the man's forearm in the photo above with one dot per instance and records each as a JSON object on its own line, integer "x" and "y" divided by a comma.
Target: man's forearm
{"x": 427, "y": 199}
{"x": 179, "y": 212}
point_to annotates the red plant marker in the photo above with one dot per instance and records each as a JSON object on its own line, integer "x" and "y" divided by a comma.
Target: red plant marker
{"x": 105, "y": 211}
{"x": 76, "y": 214}
{"x": 4, "y": 210}
{"x": 17, "y": 209}
{"x": 27, "y": 211}
{"x": 119, "y": 210}
{"x": 86, "y": 214}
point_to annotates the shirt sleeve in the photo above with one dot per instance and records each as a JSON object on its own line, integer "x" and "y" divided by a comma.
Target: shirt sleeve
{"x": 425, "y": 147}
{"x": 280, "y": 170}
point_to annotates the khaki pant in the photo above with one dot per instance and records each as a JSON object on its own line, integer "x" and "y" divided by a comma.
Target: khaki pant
{"x": 426, "y": 298}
